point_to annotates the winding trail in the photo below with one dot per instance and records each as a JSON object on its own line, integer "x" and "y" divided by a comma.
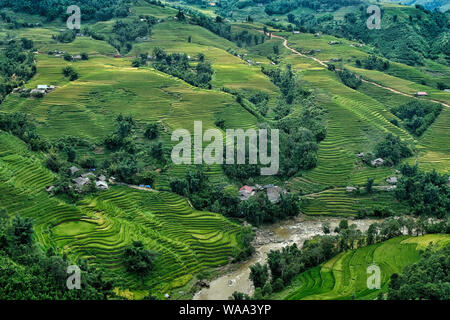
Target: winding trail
{"x": 285, "y": 44}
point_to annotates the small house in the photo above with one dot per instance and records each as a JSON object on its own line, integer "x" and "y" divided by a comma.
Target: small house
{"x": 101, "y": 185}
{"x": 273, "y": 193}
{"x": 81, "y": 182}
{"x": 361, "y": 155}
{"x": 392, "y": 180}
{"x": 73, "y": 170}
{"x": 331, "y": 43}
{"x": 245, "y": 195}
{"x": 101, "y": 177}
{"x": 87, "y": 175}
{"x": 350, "y": 189}
{"x": 377, "y": 162}
{"x": 246, "y": 188}
{"x": 148, "y": 186}
{"x": 76, "y": 57}
{"x": 421, "y": 94}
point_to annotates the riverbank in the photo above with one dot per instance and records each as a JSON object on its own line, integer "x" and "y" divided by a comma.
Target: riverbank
{"x": 269, "y": 238}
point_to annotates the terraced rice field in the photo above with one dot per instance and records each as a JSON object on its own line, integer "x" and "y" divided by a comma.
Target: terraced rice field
{"x": 89, "y": 105}
{"x": 344, "y": 277}
{"x": 355, "y": 122}
{"x": 337, "y": 202}
{"x": 99, "y": 227}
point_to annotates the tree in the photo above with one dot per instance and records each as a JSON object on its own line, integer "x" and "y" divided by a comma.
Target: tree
{"x": 84, "y": 56}
{"x": 151, "y": 131}
{"x": 369, "y": 185}
{"x": 136, "y": 63}
{"x": 180, "y": 15}
{"x": 326, "y": 228}
{"x": 276, "y": 49}
{"x": 343, "y": 224}
{"x": 278, "y": 285}
{"x": 267, "y": 289}
{"x": 67, "y": 56}
{"x": 21, "y": 231}
{"x": 220, "y": 123}
{"x": 259, "y": 274}
{"x": 138, "y": 259}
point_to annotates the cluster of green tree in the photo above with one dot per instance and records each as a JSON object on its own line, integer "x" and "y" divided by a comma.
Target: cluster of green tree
{"x": 427, "y": 193}
{"x": 246, "y": 249}
{"x": 13, "y": 22}
{"x": 408, "y": 41}
{"x": 391, "y": 149}
{"x": 284, "y": 6}
{"x": 427, "y": 279}
{"x": 349, "y": 79}
{"x": 54, "y": 9}
{"x": 248, "y": 38}
{"x": 256, "y": 210}
{"x": 299, "y": 133}
{"x": 220, "y": 27}
{"x": 138, "y": 259}
{"x": 28, "y": 273}
{"x": 424, "y": 34}
{"x": 178, "y": 65}
{"x": 417, "y": 116}
{"x": 260, "y": 99}
{"x": 66, "y": 36}
{"x": 22, "y": 127}
{"x": 123, "y": 163}
{"x": 17, "y": 65}
{"x": 373, "y": 62}
{"x": 126, "y": 31}
{"x": 290, "y": 261}
{"x": 69, "y": 72}
{"x": 156, "y": 3}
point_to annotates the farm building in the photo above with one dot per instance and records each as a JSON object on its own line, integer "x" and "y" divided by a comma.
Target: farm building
{"x": 392, "y": 180}
{"x": 273, "y": 193}
{"x": 377, "y": 162}
{"x": 246, "y": 188}
{"x": 80, "y": 182}
{"x": 73, "y": 170}
{"x": 102, "y": 185}
{"x": 246, "y": 192}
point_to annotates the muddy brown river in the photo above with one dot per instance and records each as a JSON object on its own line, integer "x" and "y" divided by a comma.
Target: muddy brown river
{"x": 269, "y": 238}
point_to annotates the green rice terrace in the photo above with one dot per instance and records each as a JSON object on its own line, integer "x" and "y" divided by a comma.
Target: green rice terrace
{"x": 87, "y": 117}
{"x": 344, "y": 276}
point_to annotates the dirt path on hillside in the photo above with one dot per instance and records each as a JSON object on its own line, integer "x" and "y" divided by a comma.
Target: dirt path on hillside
{"x": 285, "y": 44}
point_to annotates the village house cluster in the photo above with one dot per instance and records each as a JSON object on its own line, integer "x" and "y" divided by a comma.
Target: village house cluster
{"x": 82, "y": 180}
{"x": 273, "y": 192}
{"x": 39, "y": 91}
